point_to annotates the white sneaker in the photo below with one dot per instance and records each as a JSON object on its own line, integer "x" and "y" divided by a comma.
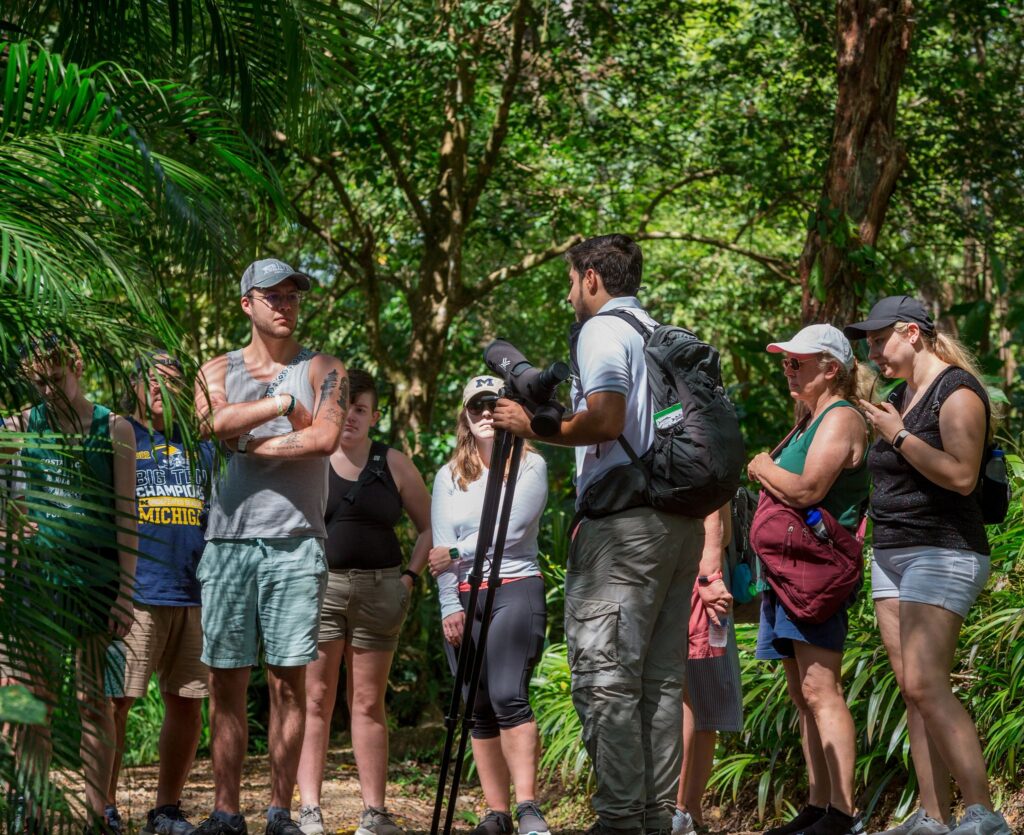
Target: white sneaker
{"x": 919, "y": 823}
{"x": 682, "y": 823}
{"x": 978, "y": 820}
{"x": 311, "y": 820}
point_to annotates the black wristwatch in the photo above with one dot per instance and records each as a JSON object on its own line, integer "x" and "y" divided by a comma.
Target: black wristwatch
{"x": 410, "y": 573}
{"x": 899, "y": 438}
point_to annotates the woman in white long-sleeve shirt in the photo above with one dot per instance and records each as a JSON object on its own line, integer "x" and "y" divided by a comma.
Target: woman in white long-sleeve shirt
{"x": 505, "y": 739}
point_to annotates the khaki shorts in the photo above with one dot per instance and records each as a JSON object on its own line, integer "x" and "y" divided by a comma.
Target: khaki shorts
{"x": 166, "y": 640}
{"x": 365, "y": 608}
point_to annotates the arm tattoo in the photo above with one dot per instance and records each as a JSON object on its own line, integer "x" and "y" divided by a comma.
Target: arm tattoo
{"x": 290, "y": 441}
{"x": 330, "y": 381}
{"x": 343, "y": 394}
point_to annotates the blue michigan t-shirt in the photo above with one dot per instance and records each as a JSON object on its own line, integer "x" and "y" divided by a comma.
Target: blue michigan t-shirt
{"x": 172, "y": 518}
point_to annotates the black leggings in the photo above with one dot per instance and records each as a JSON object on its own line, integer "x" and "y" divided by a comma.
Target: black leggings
{"x": 515, "y": 641}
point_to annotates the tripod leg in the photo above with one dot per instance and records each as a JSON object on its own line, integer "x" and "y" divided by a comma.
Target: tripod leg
{"x": 492, "y": 496}
{"x": 493, "y": 581}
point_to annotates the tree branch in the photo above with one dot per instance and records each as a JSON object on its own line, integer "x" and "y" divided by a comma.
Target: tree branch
{"x": 673, "y": 187}
{"x": 404, "y": 183}
{"x": 499, "y": 128}
{"x": 779, "y": 266}
{"x": 527, "y": 262}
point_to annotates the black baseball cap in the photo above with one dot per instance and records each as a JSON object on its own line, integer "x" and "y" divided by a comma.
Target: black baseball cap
{"x": 889, "y": 311}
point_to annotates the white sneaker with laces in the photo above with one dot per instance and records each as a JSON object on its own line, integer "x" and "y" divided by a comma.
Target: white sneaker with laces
{"x": 311, "y": 820}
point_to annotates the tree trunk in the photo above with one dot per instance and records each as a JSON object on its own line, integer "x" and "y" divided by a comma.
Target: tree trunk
{"x": 872, "y": 46}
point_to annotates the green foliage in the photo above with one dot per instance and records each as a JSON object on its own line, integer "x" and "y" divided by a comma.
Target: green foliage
{"x": 18, "y": 705}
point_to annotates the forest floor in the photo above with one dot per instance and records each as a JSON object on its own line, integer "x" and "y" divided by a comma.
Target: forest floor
{"x": 410, "y": 794}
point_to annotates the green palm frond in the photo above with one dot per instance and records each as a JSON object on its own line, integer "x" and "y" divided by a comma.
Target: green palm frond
{"x": 93, "y": 161}
{"x": 282, "y": 63}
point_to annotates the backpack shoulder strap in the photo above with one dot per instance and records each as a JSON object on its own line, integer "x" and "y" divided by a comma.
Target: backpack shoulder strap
{"x": 636, "y": 324}
{"x": 376, "y": 467}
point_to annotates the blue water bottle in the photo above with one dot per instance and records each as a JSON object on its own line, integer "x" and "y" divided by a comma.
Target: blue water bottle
{"x": 816, "y": 523}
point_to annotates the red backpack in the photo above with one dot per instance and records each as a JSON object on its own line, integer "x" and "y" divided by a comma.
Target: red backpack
{"x": 814, "y": 578}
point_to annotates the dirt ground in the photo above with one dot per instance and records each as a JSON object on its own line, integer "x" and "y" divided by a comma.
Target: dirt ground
{"x": 411, "y": 790}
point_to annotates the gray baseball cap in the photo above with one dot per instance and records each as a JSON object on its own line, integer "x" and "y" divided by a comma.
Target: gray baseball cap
{"x": 269, "y": 272}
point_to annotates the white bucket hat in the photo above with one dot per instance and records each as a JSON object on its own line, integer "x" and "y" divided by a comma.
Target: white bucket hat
{"x": 817, "y": 339}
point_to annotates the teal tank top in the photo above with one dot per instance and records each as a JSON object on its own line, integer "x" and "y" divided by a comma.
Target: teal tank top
{"x": 61, "y": 475}
{"x": 850, "y": 489}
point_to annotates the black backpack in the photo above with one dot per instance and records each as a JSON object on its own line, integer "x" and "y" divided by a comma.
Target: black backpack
{"x": 694, "y": 465}
{"x": 993, "y": 490}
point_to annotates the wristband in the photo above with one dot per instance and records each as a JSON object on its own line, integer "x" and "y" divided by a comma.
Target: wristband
{"x": 410, "y": 573}
{"x": 243, "y": 442}
{"x": 291, "y": 406}
{"x": 277, "y": 401}
{"x": 708, "y": 579}
{"x": 899, "y": 438}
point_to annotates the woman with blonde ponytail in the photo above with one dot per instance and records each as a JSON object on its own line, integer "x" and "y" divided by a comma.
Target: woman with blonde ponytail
{"x": 506, "y": 743}
{"x": 930, "y": 552}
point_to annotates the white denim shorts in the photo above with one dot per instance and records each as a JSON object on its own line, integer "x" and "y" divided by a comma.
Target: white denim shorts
{"x": 944, "y": 577}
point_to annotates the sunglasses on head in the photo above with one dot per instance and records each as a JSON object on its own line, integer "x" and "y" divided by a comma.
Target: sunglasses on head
{"x": 478, "y": 405}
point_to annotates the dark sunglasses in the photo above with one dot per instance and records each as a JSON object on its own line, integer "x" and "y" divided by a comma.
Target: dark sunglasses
{"x": 794, "y": 363}
{"x": 478, "y": 405}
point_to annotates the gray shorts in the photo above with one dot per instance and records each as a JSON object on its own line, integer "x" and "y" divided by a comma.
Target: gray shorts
{"x": 269, "y": 589}
{"x": 714, "y": 692}
{"x": 944, "y": 577}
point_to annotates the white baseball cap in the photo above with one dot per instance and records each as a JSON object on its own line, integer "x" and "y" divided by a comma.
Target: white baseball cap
{"x": 817, "y": 339}
{"x": 484, "y": 384}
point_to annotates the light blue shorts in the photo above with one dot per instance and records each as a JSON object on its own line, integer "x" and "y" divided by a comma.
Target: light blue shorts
{"x": 261, "y": 588}
{"x": 944, "y": 577}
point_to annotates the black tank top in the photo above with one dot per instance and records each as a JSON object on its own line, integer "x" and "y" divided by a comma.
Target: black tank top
{"x": 361, "y": 517}
{"x": 910, "y": 510}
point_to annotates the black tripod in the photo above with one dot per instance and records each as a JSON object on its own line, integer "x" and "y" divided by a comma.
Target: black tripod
{"x": 471, "y": 657}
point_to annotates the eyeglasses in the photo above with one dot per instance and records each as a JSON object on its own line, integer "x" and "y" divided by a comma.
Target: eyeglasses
{"x": 478, "y": 405}
{"x": 279, "y": 299}
{"x": 794, "y": 363}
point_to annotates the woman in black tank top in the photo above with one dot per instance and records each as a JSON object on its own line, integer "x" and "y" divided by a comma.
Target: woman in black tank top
{"x": 367, "y": 596}
{"x": 930, "y": 552}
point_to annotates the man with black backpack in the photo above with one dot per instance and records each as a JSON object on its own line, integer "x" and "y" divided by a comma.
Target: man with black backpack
{"x": 638, "y": 540}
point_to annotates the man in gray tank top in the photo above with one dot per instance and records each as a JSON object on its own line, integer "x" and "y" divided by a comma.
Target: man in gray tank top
{"x": 279, "y": 408}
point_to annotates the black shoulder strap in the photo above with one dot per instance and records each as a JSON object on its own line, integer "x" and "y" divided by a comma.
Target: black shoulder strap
{"x": 895, "y": 397}
{"x": 938, "y": 399}
{"x": 376, "y": 465}
{"x": 620, "y": 313}
{"x": 637, "y": 325}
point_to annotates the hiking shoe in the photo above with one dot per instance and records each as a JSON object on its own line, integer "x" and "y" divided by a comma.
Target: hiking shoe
{"x": 834, "y": 822}
{"x": 978, "y": 820}
{"x": 311, "y": 820}
{"x": 112, "y": 819}
{"x": 808, "y": 815}
{"x": 282, "y": 825}
{"x": 377, "y": 821}
{"x": 166, "y": 820}
{"x": 919, "y": 823}
{"x": 531, "y": 821}
{"x": 682, "y": 823}
{"x": 221, "y": 824}
{"x": 494, "y": 823}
